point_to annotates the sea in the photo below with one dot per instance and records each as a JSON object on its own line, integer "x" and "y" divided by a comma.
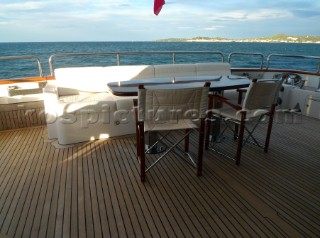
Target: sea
{"x": 10, "y": 69}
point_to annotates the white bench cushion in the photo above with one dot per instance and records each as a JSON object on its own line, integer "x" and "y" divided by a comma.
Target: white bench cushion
{"x": 128, "y": 72}
{"x": 222, "y": 69}
{"x": 174, "y": 70}
{"x": 72, "y": 81}
{"x": 86, "y": 79}
{"x": 85, "y": 109}
{"x": 95, "y": 102}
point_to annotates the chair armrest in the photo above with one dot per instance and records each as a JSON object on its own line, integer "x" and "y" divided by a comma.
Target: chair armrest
{"x": 227, "y": 102}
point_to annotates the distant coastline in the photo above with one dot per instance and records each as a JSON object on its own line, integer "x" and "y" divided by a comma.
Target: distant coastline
{"x": 278, "y": 38}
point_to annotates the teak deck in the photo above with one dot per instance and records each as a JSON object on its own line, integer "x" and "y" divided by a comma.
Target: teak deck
{"x": 93, "y": 189}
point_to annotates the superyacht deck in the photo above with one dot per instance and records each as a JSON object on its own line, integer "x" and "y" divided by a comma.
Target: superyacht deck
{"x": 93, "y": 189}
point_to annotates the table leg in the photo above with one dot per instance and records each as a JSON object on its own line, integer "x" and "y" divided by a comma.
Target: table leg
{"x": 150, "y": 139}
{"x": 215, "y": 124}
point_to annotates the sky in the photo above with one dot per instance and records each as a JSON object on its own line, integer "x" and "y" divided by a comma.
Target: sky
{"x": 134, "y": 20}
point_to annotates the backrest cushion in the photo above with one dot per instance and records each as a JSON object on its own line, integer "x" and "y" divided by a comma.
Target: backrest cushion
{"x": 174, "y": 70}
{"x": 72, "y": 81}
{"x": 128, "y": 72}
{"x": 221, "y": 69}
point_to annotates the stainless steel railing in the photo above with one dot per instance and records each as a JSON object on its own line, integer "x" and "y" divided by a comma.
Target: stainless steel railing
{"x": 37, "y": 59}
{"x": 292, "y": 56}
{"x": 174, "y": 55}
{"x": 247, "y": 54}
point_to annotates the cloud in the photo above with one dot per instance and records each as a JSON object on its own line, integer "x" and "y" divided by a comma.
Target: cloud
{"x": 245, "y": 15}
{"x": 24, "y": 6}
{"x": 213, "y": 28}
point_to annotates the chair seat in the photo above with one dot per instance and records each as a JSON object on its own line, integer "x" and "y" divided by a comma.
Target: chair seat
{"x": 170, "y": 125}
{"x": 236, "y": 115}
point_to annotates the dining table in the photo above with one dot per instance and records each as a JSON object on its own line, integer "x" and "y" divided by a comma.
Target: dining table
{"x": 218, "y": 84}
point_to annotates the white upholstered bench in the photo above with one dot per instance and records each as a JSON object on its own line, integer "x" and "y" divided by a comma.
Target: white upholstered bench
{"x": 79, "y": 106}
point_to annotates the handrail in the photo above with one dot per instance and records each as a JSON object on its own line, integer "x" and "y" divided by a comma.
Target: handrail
{"x": 245, "y": 53}
{"x": 173, "y": 53}
{"x": 26, "y": 80}
{"x": 292, "y": 56}
{"x": 25, "y": 57}
{"x": 118, "y": 54}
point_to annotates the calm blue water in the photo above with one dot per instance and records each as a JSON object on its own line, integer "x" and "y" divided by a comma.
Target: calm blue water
{"x": 21, "y": 68}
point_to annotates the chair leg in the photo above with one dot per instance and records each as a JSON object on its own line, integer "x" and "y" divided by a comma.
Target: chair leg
{"x": 240, "y": 138}
{"x": 208, "y": 122}
{"x": 186, "y": 141}
{"x": 142, "y": 152}
{"x": 200, "y": 147}
{"x": 135, "y": 104}
{"x": 235, "y": 133}
{"x": 240, "y": 96}
{"x": 207, "y": 132}
{"x": 266, "y": 146}
{"x": 138, "y": 141}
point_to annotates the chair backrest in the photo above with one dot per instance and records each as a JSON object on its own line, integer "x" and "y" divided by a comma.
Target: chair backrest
{"x": 172, "y": 104}
{"x": 262, "y": 94}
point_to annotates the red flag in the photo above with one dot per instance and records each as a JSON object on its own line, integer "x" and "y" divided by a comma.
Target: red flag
{"x": 157, "y": 6}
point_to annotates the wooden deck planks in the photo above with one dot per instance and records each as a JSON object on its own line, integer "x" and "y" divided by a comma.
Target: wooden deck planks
{"x": 21, "y": 115}
{"x": 94, "y": 189}
{"x": 22, "y": 180}
{"x": 141, "y": 197}
{"x": 29, "y": 196}
{"x": 283, "y": 176}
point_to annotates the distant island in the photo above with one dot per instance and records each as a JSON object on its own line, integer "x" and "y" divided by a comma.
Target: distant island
{"x": 275, "y": 38}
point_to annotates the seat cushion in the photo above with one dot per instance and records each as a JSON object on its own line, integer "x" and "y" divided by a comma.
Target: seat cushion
{"x": 84, "y": 103}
